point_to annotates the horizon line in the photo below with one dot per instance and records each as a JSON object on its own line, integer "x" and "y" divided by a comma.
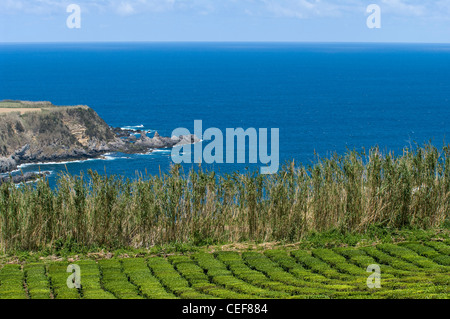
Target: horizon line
{"x": 218, "y": 42}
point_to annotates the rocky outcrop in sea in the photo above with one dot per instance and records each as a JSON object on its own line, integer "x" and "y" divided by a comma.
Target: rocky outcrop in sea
{"x": 125, "y": 142}
{"x": 23, "y": 178}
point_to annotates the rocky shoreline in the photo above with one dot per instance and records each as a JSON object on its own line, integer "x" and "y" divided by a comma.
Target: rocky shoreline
{"x": 40, "y": 132}
{"x": 125, "y": 141}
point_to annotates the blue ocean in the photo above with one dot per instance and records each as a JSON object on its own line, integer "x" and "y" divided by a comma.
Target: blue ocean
{"x": 324, "y": 98}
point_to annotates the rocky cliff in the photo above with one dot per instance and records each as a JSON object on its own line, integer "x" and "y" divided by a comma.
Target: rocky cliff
{"x": 32, "y": 132}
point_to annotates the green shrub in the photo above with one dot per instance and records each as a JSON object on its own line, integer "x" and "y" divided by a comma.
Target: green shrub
{"x": 430, "y": 253}
{"x": 172, "y": 280}
{"x": 440, "y": 247}
{"x": 220, "y": 275}
{"x": 385, "y": 259}
{"x": 318, "y": 266}
{"x": 361, "y": 259}
{"x": 139, "y": 274}
{"x": 411, "y": 256}
{"x": 37, "y": 282}
{"x": 57, "y": 273}
{"x": 289, "y": 264}
{"x": 200, "y": 281}
{"x": 91, "y": 287}
{"x": 12, "y": 282}
{"x": 273, "y": 271}
{"x": 239, "y": 269}
{"x": 116, "y": 282}
{"x": 339, "y": 262}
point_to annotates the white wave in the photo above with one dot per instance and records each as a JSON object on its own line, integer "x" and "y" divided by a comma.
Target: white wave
{"x": 161, "y": 151}
{"x": 11, "y": 172}
{"x": 105, "y": 157}
{"x": 113, "y": 158}
{"x": 133, "y": 127}
{"x": 57, "y": 163}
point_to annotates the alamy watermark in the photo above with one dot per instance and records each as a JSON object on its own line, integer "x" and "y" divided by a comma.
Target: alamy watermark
{"x": 374, "y": 19}
{"x": 74, "y": 279}
{"x": 74, "y": 20}
{"x": 214, "y": 151}
{"x": 374, "y": 280}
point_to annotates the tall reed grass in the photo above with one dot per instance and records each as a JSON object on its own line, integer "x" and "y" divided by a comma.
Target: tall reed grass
{"x": 348, "y": 192}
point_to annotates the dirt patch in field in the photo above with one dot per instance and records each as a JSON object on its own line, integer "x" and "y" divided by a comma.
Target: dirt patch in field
{"x": 19, "y": 109}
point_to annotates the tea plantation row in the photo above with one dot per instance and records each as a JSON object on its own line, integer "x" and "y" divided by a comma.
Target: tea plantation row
{"x": 408, "y": 270}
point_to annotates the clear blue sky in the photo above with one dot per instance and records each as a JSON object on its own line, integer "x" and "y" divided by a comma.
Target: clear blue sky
{"x": 225, "y": 20}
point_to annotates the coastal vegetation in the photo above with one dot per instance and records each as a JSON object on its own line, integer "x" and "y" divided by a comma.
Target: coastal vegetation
{"x": 353, "y": 193}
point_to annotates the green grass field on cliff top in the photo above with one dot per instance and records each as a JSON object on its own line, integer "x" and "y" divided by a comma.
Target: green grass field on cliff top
{"x": 418, "y": 270}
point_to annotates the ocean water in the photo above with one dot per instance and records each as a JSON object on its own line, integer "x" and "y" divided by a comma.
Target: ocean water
{"x": 324, "y": 98}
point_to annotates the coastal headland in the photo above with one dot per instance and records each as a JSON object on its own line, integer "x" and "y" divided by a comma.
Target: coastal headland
{"x": 40, "y": 132}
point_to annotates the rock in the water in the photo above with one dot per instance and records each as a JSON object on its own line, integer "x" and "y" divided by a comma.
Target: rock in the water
{"x": 26, "y": 177}
{"x": 159, "y": 141}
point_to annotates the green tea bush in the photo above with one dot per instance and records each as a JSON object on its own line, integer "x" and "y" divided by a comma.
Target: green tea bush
{"x": 220, "y": 275}
{"x": 263, "y": 264}
{"x": 139, "y": 274}
{"x": 430, "y": 253}
{"x": 440, "y": 247}
{"x": 361, "y": 259}
{"x": 277, "y": 273}
{"x": 416, "y": 292}
{"x": 172, "y": 280}
{"x": 316, "y": 265}
{"x": 339, "y": 262}
{"x": 37, "y": 282}
{"x": 289, "y": 264}
{"x": 12, "y": 282}
{"x": 91, "y": 287}
{"x": 389, "y": 260}
{"x": 411, "y": 257}
{"x": 238, "y": 267}
{"x": 116, "y": 282}
{"x": 200, "y": 281}
{"x": 57, "y": 273}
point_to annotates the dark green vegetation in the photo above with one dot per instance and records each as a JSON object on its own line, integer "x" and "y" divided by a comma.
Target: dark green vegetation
{"x": 418, "y": 270}
{"x": 344, "y": 196}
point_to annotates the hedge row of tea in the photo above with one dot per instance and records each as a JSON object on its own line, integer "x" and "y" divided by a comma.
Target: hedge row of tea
{"x": 408, "y": 270}
{"x": 349, "y": 193}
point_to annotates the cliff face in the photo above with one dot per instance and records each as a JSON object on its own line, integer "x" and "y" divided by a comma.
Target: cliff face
{"x": 40, "y": 131}
{"x": 32, "y": 132}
